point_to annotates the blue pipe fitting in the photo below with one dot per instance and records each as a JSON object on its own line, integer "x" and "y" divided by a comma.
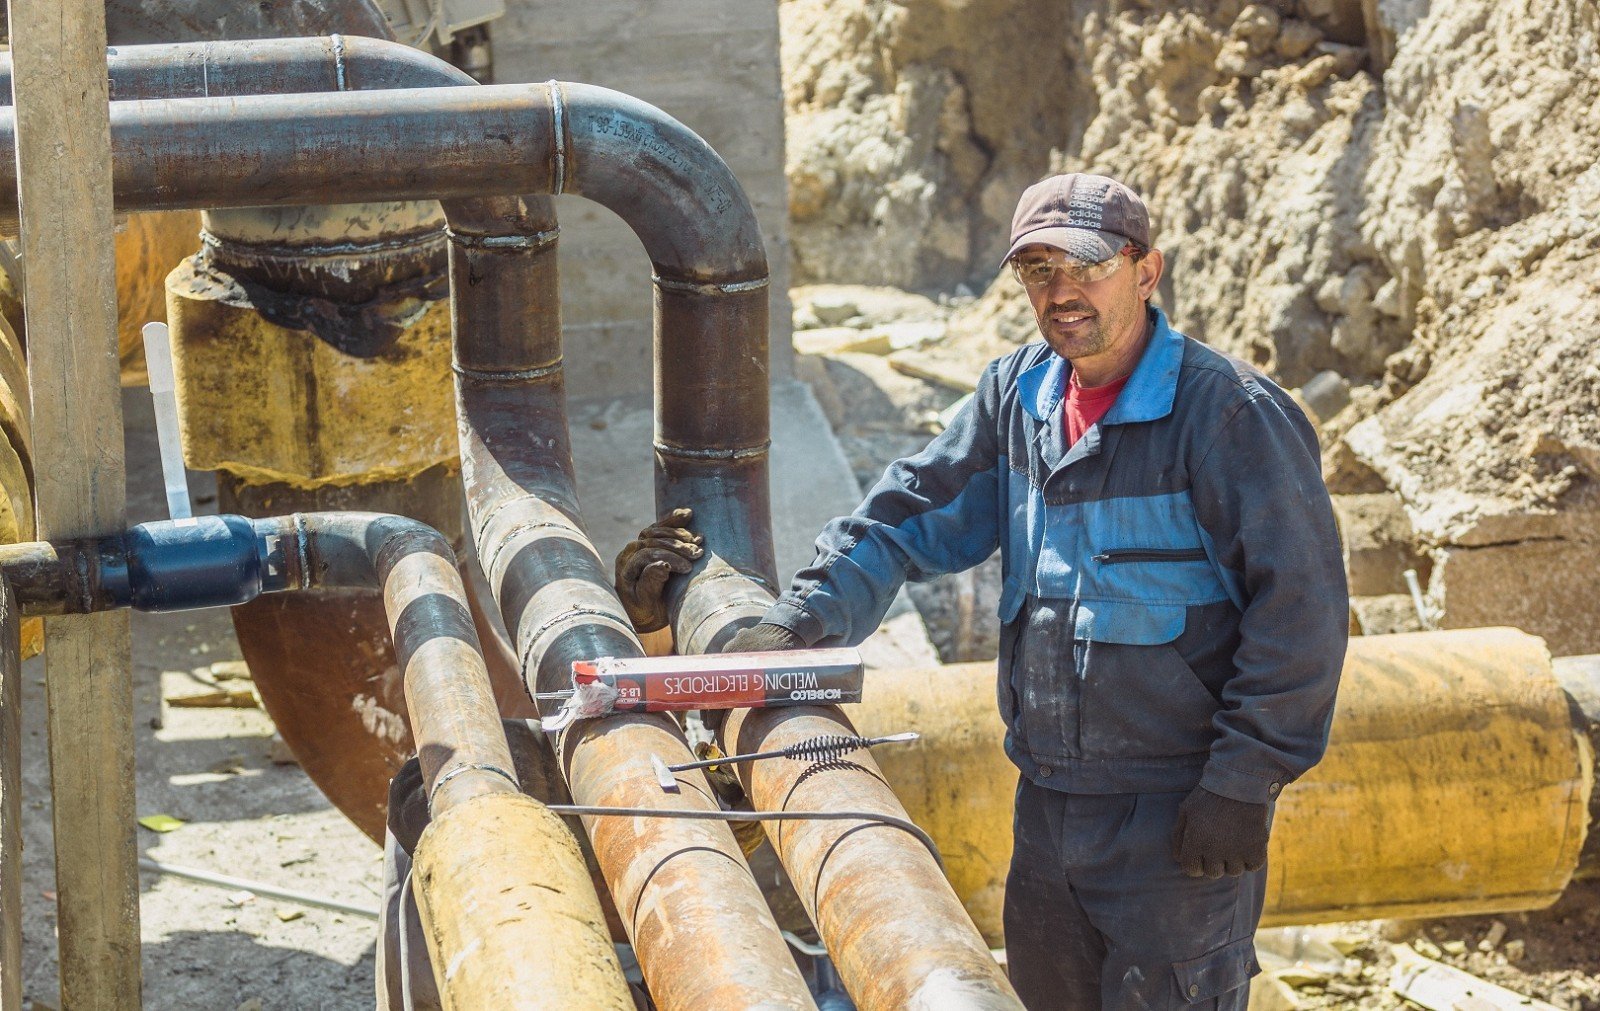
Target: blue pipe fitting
{"x": 180, "y": 565}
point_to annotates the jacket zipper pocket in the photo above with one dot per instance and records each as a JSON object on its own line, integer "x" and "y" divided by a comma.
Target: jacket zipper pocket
{"x": 1118, "y": 555}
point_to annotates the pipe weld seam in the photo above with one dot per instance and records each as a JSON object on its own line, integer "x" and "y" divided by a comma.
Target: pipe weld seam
{"x": 534, "y": 241}
{"x": 638, "y": 897}
{"x": 710, "y": 287}
{"x": 302, "y": 550}
{"x": 338, "y": 60}
{"x": 568, "y": 615}
{"x": 405, "y": 242}
{"x": 488, "y": 519}
{"x": 87, "y": 604}
{"x": 466, "y": 767}
{"x": 558, "y": 127}
{"x": 693, "y": 638}
{"x": 506, "y": 375}
{"x": 576, "y": 612}
{"x": 737, "y": 453}
{"x": 707, "y": 576}
{"x": 506, "y": 539}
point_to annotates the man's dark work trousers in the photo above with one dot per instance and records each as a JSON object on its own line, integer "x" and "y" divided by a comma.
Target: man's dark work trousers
{"x": 1098, "y": 914}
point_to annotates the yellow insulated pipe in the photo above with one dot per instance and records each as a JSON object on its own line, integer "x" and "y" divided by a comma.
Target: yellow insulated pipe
{"x": 510, "y": 913}
{"x": 1456, "y": 782}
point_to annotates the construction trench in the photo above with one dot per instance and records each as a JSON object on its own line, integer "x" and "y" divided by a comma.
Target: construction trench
{"x": 374, "y": 222}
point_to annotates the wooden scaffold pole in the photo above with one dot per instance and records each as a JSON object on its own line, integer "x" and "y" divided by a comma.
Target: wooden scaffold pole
{"x": 64, "y": 195}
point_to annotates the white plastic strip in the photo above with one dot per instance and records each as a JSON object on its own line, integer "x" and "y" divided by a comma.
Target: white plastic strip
{"x": 158, "y": 362}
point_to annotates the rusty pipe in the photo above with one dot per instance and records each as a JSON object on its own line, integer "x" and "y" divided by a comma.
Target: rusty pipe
{"x": 220, "y": 560}
{"x": 700, "y": 233}
{"x": 350, "y": 275}
{"x": 498, "y": 141}
{"x": 880, "y": 901}
{"x": 454, "y": 720}
{"x": 711, "y": 441}
{"x": 681, "y": 887}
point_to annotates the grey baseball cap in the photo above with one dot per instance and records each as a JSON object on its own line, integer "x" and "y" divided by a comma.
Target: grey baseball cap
{"x": 1088, "y": 217}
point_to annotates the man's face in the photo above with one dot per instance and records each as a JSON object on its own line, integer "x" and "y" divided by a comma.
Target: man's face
{"x": 1083, "y": 319}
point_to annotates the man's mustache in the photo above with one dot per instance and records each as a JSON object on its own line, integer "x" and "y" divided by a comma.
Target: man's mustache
{"x": 1070, "y": 307}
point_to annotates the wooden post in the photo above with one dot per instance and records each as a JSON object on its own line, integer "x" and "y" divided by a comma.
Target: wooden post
{"x": 64, "y": 168}
{"x": 10, "y": 801}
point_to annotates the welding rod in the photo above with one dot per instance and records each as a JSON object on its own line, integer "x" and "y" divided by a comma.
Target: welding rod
{"x": 824, "y": 744}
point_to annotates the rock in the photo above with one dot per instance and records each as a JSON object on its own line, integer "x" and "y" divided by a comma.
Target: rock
{"x": 831, "y": 340}
{"x": 1272, "y": 993}
{"x": 230, "y": 670}
{"x": 1326, "y": 393}
{"x": 1296, "y": 37}
{"x": 1550, "y": 588}
{"x": 1493, "y": 936}
{"x": 832, "y": 309}
{"x": 278, "y": 752}
{"x": 1346, "y": 474}
{"x": 1386, "y": 614}
{"x": 1379, "y": 544}
{"x": 959, "y": 610}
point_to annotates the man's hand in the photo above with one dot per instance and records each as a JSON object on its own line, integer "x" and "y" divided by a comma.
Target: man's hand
{"x": 643, "y": 567}
{"x": 1218, "y": 835}
{"x": 763, "y": 638}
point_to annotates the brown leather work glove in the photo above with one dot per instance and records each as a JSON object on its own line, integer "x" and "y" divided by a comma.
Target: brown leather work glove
{"x": 664, "y": 547}
{"x": 1217, "y": 835}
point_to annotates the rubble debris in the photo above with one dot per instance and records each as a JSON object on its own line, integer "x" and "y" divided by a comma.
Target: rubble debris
{"x": 1326, "y": 393}
{"x": 1441, "y": 987}
{"x": 910, "y": 363}
{"x": 221, "y": 697}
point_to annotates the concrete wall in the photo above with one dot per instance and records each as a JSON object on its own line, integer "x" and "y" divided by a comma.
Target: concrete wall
{"x": 713, "y": 64}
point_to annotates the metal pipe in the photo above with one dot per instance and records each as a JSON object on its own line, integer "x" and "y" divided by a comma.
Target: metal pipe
{"x": 351, "y": 275}
{"x": 682, "y": 888}
{"x": 454, "y": 721}
{"x": 899, "y": 940}
{"x": 710, "y": 279}
{"x": 700, "y": 232}
{"x": 213, "y": 561}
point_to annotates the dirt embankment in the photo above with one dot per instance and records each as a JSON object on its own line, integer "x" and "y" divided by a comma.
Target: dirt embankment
{"x": 1394, "y": 202}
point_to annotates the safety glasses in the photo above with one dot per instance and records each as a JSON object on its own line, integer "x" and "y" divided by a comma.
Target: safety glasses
{"x": 1037, "y": 269}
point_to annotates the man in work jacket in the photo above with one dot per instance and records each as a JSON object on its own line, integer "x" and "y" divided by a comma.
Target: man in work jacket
{"x": 1174, "y": 612}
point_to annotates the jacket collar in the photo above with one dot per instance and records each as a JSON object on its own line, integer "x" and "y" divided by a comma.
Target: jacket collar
{"x": 1150, "y": 391}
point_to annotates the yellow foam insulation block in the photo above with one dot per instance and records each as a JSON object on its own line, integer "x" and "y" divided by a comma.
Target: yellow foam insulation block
{"x": 274, "y": 404}
{"x": 1454, "y": 784}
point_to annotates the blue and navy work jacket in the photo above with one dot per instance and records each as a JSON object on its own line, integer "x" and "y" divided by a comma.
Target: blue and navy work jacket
{"x": 1174, "y": 608}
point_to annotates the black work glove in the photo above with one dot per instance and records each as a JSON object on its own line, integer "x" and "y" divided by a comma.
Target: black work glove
{"x": 645, "y": 564}
{"x": 1218, "y": 835}
{"x": 763, "y": 638}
